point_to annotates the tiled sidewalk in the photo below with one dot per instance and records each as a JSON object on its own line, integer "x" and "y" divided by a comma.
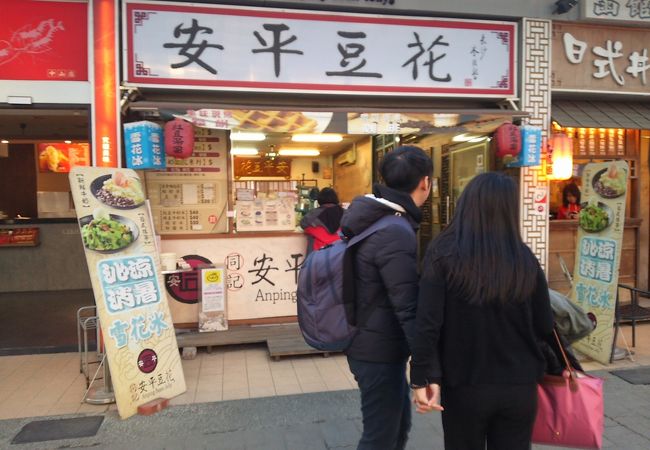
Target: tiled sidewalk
{"x": 42, "y": 385}
{"x": 45, "y": 385}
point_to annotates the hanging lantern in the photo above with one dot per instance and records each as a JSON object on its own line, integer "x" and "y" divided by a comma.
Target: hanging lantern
{"x": 179, "y": 138}
{"x": 561, "y": 148}
{"x": 507, "y": 141}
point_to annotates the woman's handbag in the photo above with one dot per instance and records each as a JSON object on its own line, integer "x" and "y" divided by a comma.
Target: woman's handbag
{"x": 570, "y": 409}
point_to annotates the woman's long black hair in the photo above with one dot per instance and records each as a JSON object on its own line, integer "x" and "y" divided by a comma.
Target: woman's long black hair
{"x": 484, "y": 257}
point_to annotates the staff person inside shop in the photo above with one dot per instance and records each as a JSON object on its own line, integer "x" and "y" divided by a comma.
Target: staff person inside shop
{"x": 570, "y": 202}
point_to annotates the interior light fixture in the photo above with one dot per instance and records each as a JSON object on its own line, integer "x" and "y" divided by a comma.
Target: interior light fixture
{"x": 67, "y": 142}
{"x": 249, "y": 151}
{"x": 327, "y": 137}
{"x": 4, "y": 141}
{"x": 241, "y": 136}
{"x": 478, "y": 139}
{"x": 299, "y": 152}
{"x": 464, "y": 137}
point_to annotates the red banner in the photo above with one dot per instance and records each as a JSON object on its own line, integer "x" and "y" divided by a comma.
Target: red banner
{"x": 60, "y": 157}
{"x": 44, "y": 40}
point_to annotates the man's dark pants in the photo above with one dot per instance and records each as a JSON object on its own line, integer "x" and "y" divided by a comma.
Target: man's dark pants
{"x": 385, "y": 404}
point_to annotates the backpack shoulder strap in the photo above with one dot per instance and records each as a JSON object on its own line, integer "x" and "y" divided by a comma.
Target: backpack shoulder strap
{"x": 392, "y": 219}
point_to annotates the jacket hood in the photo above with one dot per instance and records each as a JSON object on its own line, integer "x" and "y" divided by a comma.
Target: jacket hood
{"x": 366, "y": 210}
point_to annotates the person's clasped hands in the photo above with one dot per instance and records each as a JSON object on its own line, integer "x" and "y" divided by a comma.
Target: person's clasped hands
{"x": 427, "y": 398}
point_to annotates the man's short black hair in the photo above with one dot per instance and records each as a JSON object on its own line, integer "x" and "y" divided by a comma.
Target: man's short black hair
{"x": 403, "y": 168}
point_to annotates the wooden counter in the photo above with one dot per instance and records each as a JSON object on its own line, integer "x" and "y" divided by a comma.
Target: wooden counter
{"x": 562, "y": 245}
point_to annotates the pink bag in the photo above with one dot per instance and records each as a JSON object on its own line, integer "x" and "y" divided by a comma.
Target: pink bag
{"x": 570, "y": 409}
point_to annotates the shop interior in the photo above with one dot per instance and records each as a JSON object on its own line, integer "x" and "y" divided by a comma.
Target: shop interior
{"x": 596, "y": 145}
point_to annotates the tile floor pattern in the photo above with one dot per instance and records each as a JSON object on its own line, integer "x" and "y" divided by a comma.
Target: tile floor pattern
{"x": 42, "y": 385}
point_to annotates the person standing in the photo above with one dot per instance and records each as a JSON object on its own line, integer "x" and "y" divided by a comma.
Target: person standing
{"x": 483, "y": 305}
{"x": 386, "y": 284}
{"x": 321, "y": 225}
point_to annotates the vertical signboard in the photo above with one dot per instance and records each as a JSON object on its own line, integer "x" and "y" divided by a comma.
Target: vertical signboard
{"x": 600, "y": 235}
{"x": 106, "y": 143}
{"x": 118, "y": 240}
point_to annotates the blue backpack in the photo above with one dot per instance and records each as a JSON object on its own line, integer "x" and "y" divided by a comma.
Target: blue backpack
{"x": 326, "y": 296}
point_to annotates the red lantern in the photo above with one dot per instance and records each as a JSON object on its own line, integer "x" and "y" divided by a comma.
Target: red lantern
{"x": 507, "y": 141}
{"x": 179, "y": 138}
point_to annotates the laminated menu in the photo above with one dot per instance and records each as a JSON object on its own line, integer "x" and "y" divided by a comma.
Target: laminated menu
{"x": 266, "y": 214}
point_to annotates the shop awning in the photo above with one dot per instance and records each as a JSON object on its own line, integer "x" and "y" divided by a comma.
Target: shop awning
{"x": 595, "y": 114}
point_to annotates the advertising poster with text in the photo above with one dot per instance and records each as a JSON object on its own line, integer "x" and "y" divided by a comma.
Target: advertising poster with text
{"x": 598, "y": 253}
{"x": 124, "y": 266}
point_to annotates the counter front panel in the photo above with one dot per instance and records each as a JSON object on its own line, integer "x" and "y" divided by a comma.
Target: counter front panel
{"x": 262, "y": 275}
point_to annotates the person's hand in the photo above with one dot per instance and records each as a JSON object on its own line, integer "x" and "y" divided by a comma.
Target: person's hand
{"x": 427, "y": 399}
{"x": 573, "y": 215}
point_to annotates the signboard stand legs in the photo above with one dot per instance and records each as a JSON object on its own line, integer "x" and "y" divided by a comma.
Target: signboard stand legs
{"x": 105, "y": 394}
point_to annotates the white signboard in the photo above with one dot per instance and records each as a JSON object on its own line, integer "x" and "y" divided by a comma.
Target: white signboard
{"x": 261, "y": 275}
{"x": 619, "y": 10}
{"x": 178, "y": 45}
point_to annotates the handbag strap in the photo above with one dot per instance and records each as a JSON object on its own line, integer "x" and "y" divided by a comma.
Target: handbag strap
{"x": 569, "y": 369}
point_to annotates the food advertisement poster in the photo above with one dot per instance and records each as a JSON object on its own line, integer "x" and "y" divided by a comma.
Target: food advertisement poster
{"x": 190, "y": 196}
{"x": 212, "y": 312}
{"x": 124, "y": 266}
{"x": 261, "y": 275}
{"x": 61, "y": 157}
{"x": 598, "y": 253}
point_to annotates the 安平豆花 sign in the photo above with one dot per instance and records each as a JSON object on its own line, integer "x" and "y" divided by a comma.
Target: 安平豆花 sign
{"x": 214, "y": 47}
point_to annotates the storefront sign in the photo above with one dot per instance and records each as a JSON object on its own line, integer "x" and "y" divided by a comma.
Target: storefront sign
{"x": 616, "y": 10}
{"x": 261, "y": 274}
{"x": 175, "y": 45}
{"x": 600, "y": 237}
{"x": 60, "y": 157}
{"x": 44, "y": 41}
{"x": 261, "y": 167}
{"x": 144, "y": 145}
{"x": 597, "y": 58}
{"x": 105, "y": 107}
{"x": 124, "y": 267}
{"x": 209, "y": 120}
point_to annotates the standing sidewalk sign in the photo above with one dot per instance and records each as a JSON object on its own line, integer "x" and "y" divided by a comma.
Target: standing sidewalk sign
{"x": 124, "y": 267}
{"x": 600, "y": 237}
{"x": 212, "y": 299}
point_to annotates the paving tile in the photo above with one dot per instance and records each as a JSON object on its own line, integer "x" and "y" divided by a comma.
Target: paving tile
{"x": 235, "y": 394}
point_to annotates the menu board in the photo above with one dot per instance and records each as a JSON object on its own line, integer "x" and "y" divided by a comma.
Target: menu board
{"x": 124, "y": 268}
{"x": 266, "y": 214}
{"x": 190, "y": 196}
{"x": 600, "y": 235}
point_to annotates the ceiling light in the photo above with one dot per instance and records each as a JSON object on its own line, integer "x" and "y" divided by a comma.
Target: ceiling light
{"x": 251, "y": 151}
{"x": 463, "y": 137}
{"x": 67, "y": 142}
{"x": 299, "y": 152}
{"x": 4, "y": 141}
{"x": 317, "y": 138}
{"x": 239, "y": 136}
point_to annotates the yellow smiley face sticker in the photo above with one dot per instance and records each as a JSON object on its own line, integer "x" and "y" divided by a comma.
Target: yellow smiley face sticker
{"x": 213, "y": 277}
